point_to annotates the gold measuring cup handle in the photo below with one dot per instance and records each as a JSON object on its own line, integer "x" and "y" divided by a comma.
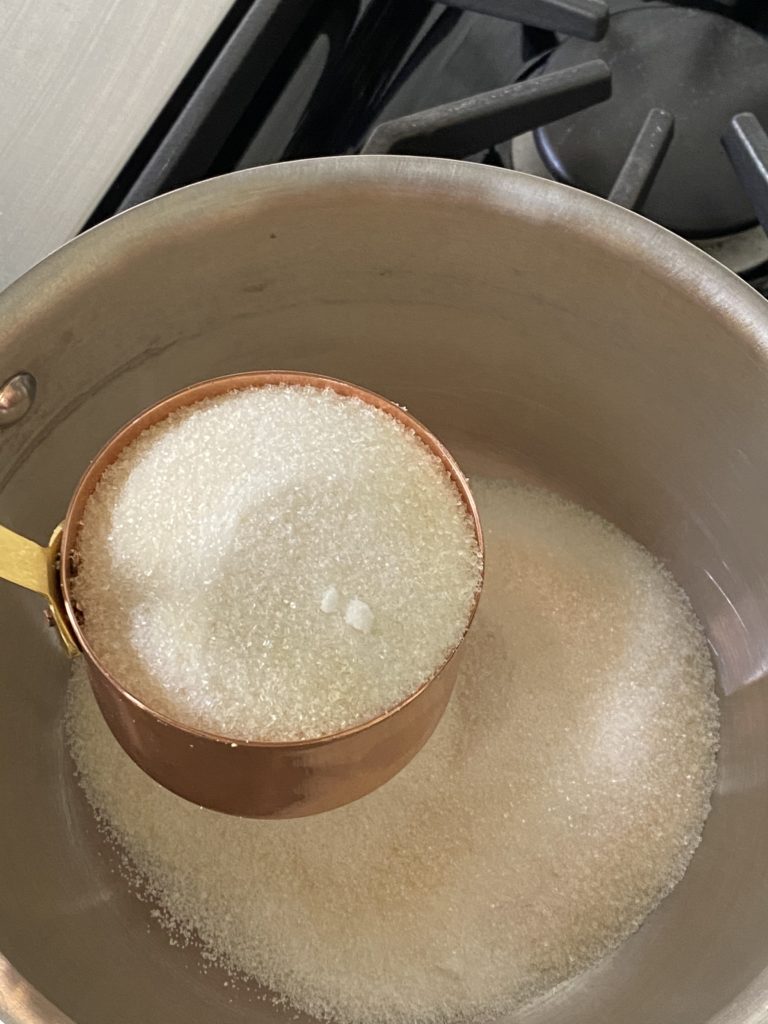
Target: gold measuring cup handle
{"x": 34, "y": 567}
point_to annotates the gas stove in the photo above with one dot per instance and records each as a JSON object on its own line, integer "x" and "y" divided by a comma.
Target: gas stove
{"x": 655, "y": 105}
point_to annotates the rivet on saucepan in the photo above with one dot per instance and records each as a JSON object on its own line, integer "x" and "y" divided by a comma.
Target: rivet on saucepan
{"x": 17, "y": 395}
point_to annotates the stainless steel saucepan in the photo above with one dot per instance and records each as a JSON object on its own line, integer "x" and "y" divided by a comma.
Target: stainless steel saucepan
{"x": 544, "y": 335}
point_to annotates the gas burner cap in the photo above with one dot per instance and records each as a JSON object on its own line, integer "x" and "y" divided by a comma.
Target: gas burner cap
{"x": 702, "y": 68}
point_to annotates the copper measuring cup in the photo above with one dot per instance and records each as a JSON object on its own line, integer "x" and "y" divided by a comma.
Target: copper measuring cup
{"x": 254, "y": 778}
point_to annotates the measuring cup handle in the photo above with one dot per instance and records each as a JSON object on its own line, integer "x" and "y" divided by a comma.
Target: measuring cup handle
{"x": 23, "y": 562}
{"x": 34, "y": 567}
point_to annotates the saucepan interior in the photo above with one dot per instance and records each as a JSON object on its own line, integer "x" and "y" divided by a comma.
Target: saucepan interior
{"x": 544, "y": 336}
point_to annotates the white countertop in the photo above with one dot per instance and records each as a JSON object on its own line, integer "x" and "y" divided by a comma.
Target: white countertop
{"x": 80, "y": 83}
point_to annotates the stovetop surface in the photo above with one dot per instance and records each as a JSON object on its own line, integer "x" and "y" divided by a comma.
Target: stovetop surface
{"x": 318, "y": 80}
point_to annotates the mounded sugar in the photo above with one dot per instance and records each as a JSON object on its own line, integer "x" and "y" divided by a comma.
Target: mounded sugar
{"x": 215, "y": 550}
{"x": 561, "y": 797}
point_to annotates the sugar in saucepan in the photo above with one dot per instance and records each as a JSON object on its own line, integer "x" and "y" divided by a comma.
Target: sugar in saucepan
{"x": 560, "y": 799}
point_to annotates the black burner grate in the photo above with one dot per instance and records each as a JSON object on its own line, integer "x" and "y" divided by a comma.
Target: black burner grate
{"x": 287, "y": 79}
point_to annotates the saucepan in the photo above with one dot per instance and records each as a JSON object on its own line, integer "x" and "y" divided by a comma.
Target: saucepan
{"x": 544, "y": 335}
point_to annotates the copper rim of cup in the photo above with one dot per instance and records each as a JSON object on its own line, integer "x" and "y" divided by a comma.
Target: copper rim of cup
{"x": 210, "y": 389}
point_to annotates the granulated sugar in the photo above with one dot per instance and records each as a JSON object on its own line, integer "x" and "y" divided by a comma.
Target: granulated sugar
{"x": 276, "y": 563}
{"x": 560, "y": 799}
